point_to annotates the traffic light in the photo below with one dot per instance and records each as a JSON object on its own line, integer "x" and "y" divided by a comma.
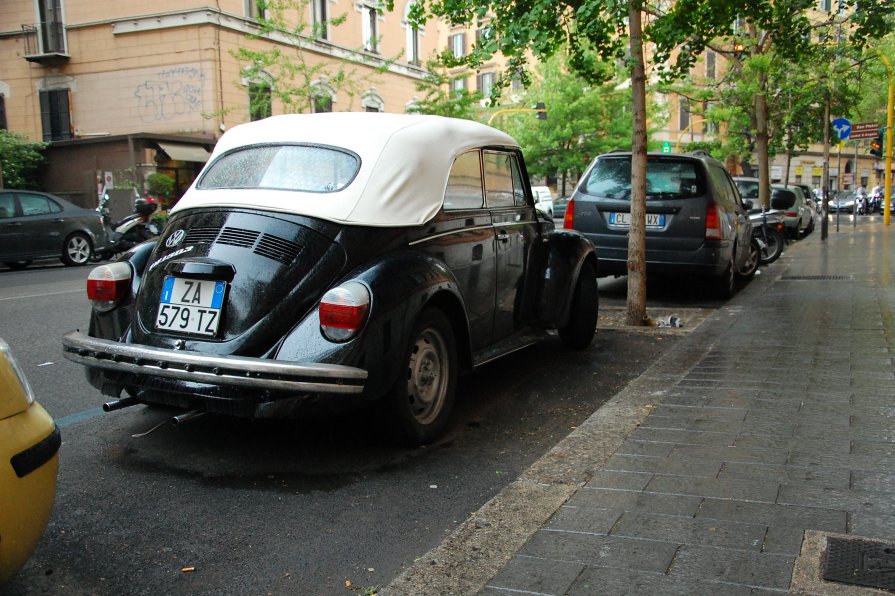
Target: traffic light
{"x": 540, "y": 110}
{"x": 876, "y": 145}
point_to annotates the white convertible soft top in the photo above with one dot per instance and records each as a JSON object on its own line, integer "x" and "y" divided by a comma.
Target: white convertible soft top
{"x": 405, "y": 162}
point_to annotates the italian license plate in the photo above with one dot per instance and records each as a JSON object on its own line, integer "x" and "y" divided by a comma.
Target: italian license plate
{"x": 653, "y": 220}
{"x": 190, "y": 305}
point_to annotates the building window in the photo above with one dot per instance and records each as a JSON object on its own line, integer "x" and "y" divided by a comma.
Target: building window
{"x": 323, "y": 103}
{"x": 458, "y": 84}
{"x": 457, "y": 42}
{"x": 825, "y": 5}
{"x": 485, "y": 83}
{"x": 255, "y": 10}
{"x": 372, "y": 102}
{"x": 55, "y": 114}
{"x": 708, "y": 126}
{"x": 710, "y": 65}
{"x": 320, "y": 19}
{"x": 413, "y": 45}
{"x": 483, "y": 34}
{"x": 370, "y": 26}
{"x": 260, "y": 101}
{"x": 3, "y": 125}
{"x": 683, "y": 113}
{"x": 52, "y": 28}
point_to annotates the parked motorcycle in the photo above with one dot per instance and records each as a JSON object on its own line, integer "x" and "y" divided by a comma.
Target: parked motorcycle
{"x": 130, "y": 231}
{"x": 768, "y": 227}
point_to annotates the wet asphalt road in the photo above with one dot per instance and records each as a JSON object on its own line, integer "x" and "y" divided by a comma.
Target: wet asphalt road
{"x": 231, "y": 506}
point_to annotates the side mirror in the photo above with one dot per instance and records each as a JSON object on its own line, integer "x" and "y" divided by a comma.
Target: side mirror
{"x": 747, "y": 205}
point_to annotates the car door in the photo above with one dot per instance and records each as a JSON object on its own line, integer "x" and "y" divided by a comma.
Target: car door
{"x": 515, "y": 226}
{"x": 42, "y": 224}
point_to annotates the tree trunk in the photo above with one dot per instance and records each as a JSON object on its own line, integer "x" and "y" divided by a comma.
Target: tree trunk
{"x": 636, "y": 306}
{"x": 761, "y": 144}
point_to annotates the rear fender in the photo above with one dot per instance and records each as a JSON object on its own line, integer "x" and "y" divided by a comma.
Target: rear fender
{"x": 401, "y": 285}
{"x": 567, "y": 250}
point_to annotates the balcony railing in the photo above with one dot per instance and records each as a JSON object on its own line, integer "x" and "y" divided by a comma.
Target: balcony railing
{"x": 45, "y": 42}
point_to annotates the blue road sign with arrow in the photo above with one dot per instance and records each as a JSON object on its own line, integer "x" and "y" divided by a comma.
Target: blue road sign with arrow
{"x": 842, "y": 127}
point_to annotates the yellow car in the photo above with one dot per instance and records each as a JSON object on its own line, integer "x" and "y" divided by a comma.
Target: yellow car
{"x": 29, "y": 459}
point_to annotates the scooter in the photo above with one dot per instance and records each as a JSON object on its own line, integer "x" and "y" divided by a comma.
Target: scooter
{"x": 768, "y": 233}
{"x": 130, "y": 231}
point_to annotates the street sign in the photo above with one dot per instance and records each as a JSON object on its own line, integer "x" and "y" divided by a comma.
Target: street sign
{"x": 842, "y": 127}
{"x": 666, "y": 147}
{"x": 864, "y": 130}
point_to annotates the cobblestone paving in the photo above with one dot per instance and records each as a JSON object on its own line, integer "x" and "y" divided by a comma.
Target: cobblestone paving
{"x": 786, "y": 424}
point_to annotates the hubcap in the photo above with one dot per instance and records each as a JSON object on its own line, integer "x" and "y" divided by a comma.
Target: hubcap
{"x": 427, "y": 376}
{"x": 78, "y": 250}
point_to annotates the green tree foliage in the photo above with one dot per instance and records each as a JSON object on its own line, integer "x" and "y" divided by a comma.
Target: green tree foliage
{"x": 286, "y": 69}
{"x": 441, "y": 99}
{"x": 583, "y": 120}
{"x": 19, "y": 161}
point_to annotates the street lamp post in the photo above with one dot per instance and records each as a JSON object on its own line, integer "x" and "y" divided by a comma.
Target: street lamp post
{"x": 886, "y": 206}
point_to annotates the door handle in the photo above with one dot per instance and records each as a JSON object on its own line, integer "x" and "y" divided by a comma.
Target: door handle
{"x": 503, "y": 237}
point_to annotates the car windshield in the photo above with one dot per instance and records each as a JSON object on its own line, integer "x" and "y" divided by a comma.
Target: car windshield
{"x": 308, "y": 168}
{"x": 748, "y": 188}
{"x": 666, "y": 178}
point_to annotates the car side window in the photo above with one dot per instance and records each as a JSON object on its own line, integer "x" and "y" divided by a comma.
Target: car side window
{"x": 499, "y": 190}
{"x": 37, "y": 205}
{"x": 7, "y": 206}
{"x": 722, "y": 186}
{"x": 464, "y": 186}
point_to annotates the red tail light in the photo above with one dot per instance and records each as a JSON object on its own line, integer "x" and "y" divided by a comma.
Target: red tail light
{"x": 107, "y": 285}
{"x": 712, "y": 222}
{"x": 793, "y": 214}
{"x": 343, "y": 311}
{"x": 568, "y": 220}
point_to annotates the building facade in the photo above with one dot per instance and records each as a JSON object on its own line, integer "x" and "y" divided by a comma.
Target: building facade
{"x": 123, "y": 89}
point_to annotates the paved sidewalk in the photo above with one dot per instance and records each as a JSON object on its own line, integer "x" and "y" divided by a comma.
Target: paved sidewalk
{"x": 725, "y": 468}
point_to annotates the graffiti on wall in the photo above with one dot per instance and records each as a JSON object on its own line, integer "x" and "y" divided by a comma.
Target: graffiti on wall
{"x": 170, "y": 93}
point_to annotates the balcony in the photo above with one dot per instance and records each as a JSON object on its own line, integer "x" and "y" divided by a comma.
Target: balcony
{"x": 45, "y": 43}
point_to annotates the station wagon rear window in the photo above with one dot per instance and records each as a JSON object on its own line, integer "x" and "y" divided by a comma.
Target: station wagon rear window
{"x": 666, "y": 178}
{"x": 307, "y": 168}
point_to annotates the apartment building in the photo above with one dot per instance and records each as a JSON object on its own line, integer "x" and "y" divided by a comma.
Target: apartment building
{"x": 123, "y": 89}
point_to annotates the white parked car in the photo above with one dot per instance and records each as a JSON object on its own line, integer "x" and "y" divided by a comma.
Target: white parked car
{"x": 543, "y": 200}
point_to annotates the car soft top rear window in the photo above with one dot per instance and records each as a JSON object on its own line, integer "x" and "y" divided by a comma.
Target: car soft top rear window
{"x": 666, "y": 178}
{"x": 307, "y": 168}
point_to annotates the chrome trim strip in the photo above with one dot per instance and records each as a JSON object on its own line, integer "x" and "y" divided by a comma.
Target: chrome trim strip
{"x": 450, "y": 233}
{"x": 485, "y": 227}
{"x": 234, "y": 371}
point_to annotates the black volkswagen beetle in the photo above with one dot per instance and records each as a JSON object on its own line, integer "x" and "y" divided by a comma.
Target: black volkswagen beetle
{"x": 332, "y": 259}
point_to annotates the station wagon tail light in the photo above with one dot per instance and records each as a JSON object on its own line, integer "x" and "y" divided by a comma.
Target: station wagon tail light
{"x": 568, "y": 220}
{"x": 343, "y": 311}
{"x": 712, "y": 222}
{"x": 107, "y": 285}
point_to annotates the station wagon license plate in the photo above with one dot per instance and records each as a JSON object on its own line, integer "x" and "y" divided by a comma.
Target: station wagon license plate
{"x": 653, "y": 220}
{"x": 190, "y": 305}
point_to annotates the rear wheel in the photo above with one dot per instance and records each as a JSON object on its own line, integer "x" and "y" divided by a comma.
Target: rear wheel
{"x": 423, "y": 395}
{"x": 582, "y": 324}
{"x": 722, "y": 285}
{"x": 750, "y": 265}
{"x": 77, "y": 250}
{"x": 774, "y": 243}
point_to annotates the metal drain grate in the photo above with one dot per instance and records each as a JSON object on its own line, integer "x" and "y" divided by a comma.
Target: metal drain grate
{"x": 816, "y": 277}
{"x": 860, "y": 562}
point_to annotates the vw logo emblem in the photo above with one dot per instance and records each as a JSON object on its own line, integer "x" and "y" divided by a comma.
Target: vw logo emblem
{"x": 175, "y": 238}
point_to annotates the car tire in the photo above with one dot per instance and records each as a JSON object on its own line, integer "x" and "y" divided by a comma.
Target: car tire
{"x": 582, "y": 324}
{"x": 77, "y": 250}
{"x": 810, "y": 227}
{"x": 422, "y": 398}
{"x": 17, "y": 264}
{"x": 750, "y": 265}
{"x": 722, "y": 285}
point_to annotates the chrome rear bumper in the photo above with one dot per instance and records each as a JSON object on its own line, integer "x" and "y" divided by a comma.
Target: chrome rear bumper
{"x": 232, "y": 371}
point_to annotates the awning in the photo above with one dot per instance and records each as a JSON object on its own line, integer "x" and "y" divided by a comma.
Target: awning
{"x": 179, "y": 152}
